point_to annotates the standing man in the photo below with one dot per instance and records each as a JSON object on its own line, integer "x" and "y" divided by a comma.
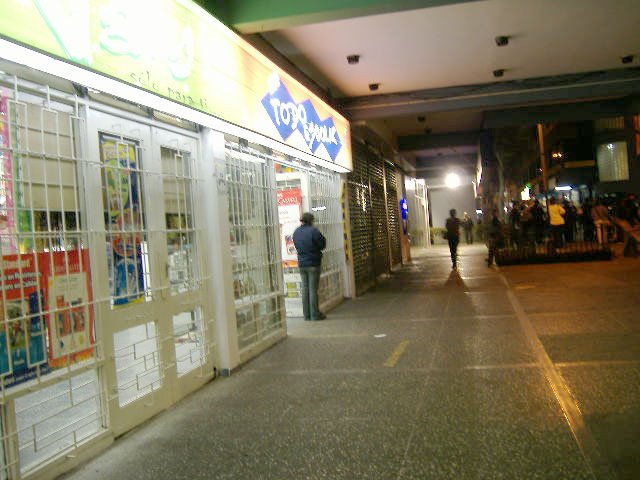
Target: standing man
{"x": 467, "y": 224}
{"x": 556, "y": 220}
{"x": 309, "y": 243}
{"x": 453, "y": 236}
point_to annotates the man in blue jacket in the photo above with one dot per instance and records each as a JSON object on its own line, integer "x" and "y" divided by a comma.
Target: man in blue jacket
{"x": 309, "y": 243}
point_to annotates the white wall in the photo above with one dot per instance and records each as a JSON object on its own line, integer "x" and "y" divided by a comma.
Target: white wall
{"x": 444, "y": 199}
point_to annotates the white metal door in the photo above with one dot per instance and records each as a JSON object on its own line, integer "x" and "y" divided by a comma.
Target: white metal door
{"x": 153, "y": 310}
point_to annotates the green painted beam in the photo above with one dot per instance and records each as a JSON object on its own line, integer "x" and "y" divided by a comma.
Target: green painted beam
{"x": 255, "y": 16}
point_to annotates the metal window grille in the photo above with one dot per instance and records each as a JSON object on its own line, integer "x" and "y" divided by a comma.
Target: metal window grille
{"x": 393, "y": 213}
{"x": 188, "y": 340}
{"x": 178, "y": 182}
{"x": 256, "y": 263}
{"x": 324, "y": 196}
{"x": 58, "y": 418}
{"x": 360, "y": 219}
{"x": 379, "y": 216}
{"x": 139, "y": 371}
{"x": 4, "y": 464}
{"x": 48, "y": 349}
{"x": 125, "y": 223}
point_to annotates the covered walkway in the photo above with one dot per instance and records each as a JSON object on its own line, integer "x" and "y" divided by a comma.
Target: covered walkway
{"x": 521, "y": 372}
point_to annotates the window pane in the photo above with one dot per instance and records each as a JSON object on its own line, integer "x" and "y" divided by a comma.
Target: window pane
{"x": 613, "y": 162}
{"x": 178, "y": 204}
{"x": 138, "y": 371}
{"x": 124, "y": 211}
{"x": 188, "y": 341}
{"x": 58, "y": 418}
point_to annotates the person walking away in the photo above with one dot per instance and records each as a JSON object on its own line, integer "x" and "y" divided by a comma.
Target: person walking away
{"x": 309, "y": 243}
{"x": 556, "y": 220}
{"x": 601, "y": 221}
{"x": 494, "y": 236}
{"x": 588, "y": 228}
{"x": 537, "y": 212}
{"x": 570, "y": 218}
{"x": 527, "y": 223}
{"x": 467, "y": 225}
{"x": 453, "y": 236}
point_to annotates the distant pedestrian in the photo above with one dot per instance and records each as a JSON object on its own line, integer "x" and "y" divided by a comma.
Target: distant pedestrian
{"x": 494, "y": 236}
{"x": 588, "y": 228}
{"x": 309, "y": 243}
{"x": 453, "y": 236}
{"x": 537, "y": 212}
{"x": 601, "y": 221}
{"x": 467, "y": 225}
{"x": 556, "y": 220}
{"x": 570, "y": 218}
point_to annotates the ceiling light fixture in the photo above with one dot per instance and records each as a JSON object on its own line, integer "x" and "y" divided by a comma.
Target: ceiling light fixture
{"x": 627, "y": 59}
{"x": 498, "y": 73}
{"x": 502, "y": 40}
{"x": 353, "y": 59}
{"x": 452, "y": 180}
{"x": 374, "y": 86}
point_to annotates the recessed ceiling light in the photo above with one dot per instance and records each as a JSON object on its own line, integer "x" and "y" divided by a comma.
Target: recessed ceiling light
{"x": 353, "y": 59}
{"x": 502, "y": 40}
{"x": 374, "y": 86}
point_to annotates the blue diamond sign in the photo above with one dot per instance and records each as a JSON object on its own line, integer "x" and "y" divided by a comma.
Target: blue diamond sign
{"x": 289, "y": 116}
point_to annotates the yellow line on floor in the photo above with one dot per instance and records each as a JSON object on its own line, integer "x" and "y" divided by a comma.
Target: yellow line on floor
{"x": 397, "y": 353}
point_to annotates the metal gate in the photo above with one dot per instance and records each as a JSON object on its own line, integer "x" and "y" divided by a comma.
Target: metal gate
{"x": 393, "y": 213}
{"x": 360, "y": 219}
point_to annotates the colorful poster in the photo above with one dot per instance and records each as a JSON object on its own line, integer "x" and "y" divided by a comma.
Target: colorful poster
{"x": 289, "y": 211}
{"x": 40, "y": 303}
{"x": 123, "y": 204}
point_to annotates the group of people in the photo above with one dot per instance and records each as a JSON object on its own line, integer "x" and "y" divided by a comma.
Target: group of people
{"x": 528, "y": 222}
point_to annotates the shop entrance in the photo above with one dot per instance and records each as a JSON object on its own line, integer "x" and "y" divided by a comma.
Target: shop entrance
{"x": 267, "y": 193}
{"x": 148, "y": 264}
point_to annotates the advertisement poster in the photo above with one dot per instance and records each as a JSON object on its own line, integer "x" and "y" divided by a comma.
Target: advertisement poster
{"x": 123, "y": 203}
{"x": 40, "y": 302}
{"x": 7, "y": 221}
{"x": 289, "y": 211}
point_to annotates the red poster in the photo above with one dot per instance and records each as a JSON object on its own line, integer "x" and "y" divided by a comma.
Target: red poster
{"x": 46, "y": 296}
{"x": 289, "y": 211}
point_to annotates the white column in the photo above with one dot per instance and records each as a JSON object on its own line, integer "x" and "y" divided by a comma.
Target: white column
{"x": 213, "y": 195}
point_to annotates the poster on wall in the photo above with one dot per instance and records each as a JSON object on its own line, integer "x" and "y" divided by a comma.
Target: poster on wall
{"x": 123, "y": 205}
{"x": 46, "y": 297}
{"x": 289, "y": 211}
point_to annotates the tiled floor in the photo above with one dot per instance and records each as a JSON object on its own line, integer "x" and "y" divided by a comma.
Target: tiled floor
{"x": 528, "y": 372}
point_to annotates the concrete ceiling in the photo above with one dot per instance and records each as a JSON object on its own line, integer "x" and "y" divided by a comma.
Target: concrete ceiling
{"x": 435, "y": 59}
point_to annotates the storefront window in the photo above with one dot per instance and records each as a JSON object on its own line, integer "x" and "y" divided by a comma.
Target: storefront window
{"x": 46, "y": 310}
{"x": 126, "y": 237}
{"x": 46, "y": 305}
{"x": 613, "y": 162}
{"x": 178, "y": 202}
{"x": 254, "y": 251}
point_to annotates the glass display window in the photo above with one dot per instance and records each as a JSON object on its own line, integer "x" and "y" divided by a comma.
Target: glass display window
{"x": 49, "y": 353}
{"x": 124, "y": 214}
{"x": 255, "y": 252}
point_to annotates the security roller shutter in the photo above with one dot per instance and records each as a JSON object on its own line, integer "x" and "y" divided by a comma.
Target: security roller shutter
{"x": 360, "y": 219}
{"x": 393, "y": 210}
{"x": 379, "y": 216}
